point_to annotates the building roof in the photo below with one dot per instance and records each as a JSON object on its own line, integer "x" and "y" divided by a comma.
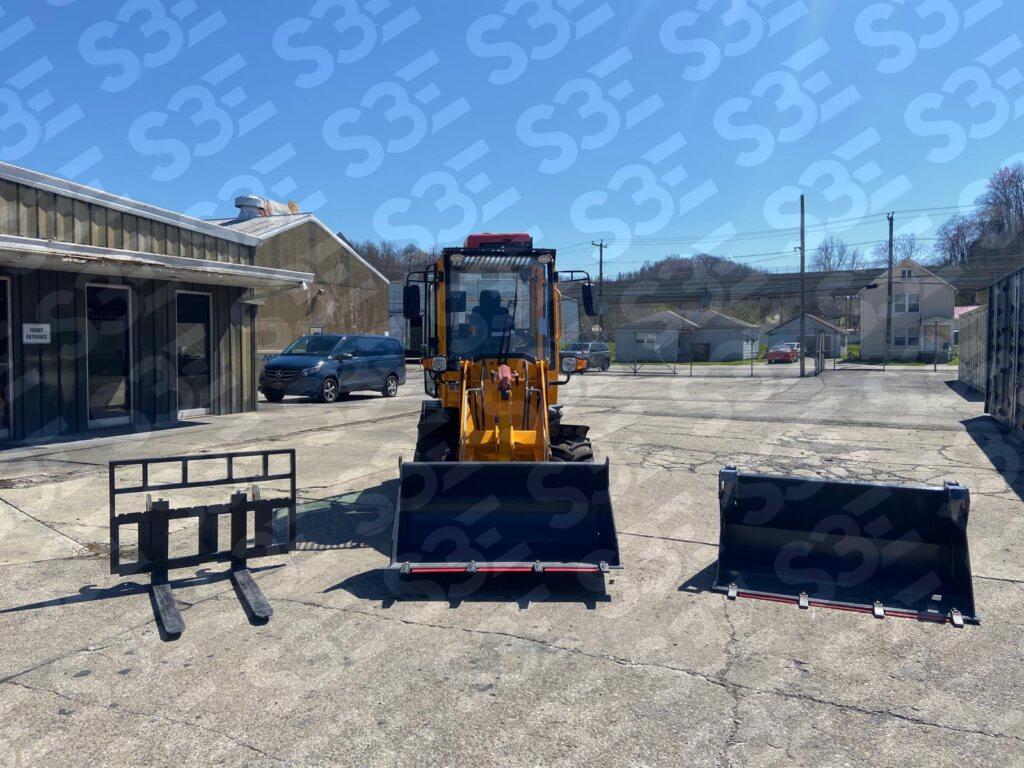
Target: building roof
{"x": 812, "y": 318}
{"x": 33, "y": 253}
{"x": 959, "y": 312}
{"x": 265, "y": 227}
{"x": 99, "y": 197}
{"x": 660, "y": 321}
{"x": 712, "y": 319}
{"x": 884, "y": 274}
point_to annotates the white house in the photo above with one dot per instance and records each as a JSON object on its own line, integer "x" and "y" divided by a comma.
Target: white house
{"x": 922, "y": 314}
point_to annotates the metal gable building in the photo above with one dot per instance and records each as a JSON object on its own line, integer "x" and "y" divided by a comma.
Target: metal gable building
{"x": 346, "y": 295}
{"x": 116, "y": 313}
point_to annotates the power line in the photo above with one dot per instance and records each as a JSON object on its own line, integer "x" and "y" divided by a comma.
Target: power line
{"x": 871, "y": 218}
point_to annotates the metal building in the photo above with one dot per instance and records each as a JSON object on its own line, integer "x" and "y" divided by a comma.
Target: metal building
{"x": 115, "y": 313}
{"x": 347, "y": 294}
{"x": 1005, "y": 353}
{"x": 973, "y": 338}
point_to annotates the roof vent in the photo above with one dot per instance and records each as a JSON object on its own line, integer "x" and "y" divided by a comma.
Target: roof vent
{"x": 249, "y": 207}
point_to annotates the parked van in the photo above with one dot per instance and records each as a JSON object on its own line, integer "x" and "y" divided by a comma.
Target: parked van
{"x": 329, "y": 366}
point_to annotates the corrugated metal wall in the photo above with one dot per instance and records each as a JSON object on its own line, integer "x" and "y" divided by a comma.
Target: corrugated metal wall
{"x": 1005, "y": 355}
{"x": 973, "y": 345}
{"x": 346, "y": 298}
{"x": 29, "y": 212}
{"x": 49, "y": 396}
{"x": 49, "y": 380}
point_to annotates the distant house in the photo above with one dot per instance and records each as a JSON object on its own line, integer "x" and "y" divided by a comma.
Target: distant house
{"x": 720, "y": 337}
{"x": 922, "y": 314}
{"x": 657, "y": 338}
{"x": 702, "y": 335}
{"x": 834, "y": 336}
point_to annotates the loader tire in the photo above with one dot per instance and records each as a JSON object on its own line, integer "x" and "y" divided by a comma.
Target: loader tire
{"x": 572, "y": 450}
{"x": 437, "y": 437}
{"x": 434, "y": 448}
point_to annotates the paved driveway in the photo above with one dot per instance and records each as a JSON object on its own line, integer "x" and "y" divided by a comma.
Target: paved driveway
{"x": 650, "y": 668}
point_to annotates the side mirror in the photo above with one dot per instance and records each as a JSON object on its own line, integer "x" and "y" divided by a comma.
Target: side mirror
{"x": 411, "y": 302}
{"x": 588, "y": 299}
{"x": 343, "y": 356}
{"x": 455, "y": 301}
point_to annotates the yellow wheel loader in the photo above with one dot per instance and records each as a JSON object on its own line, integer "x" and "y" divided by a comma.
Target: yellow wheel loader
{"x": 498, "y": 482}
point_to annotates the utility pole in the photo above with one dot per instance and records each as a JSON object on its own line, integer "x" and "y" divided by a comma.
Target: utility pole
{"x": 600, "y": 283}
{"x": 803, "y": 285}
{"x": 888, "y": 298}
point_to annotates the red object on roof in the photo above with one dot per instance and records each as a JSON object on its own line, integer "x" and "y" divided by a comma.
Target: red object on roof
{"x": 520, "y": 239}
{"x": 959, "y": 311}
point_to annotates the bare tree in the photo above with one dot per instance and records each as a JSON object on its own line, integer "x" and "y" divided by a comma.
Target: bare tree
{"x": 1002, "y": 204}
{"x": 904, "y": 247}
{"x": 393, "y": 260}
{"x": 833, "y": 255}
{"x": 957, "y": 237}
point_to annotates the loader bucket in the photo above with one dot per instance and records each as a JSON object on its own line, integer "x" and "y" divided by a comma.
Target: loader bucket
{"x": 514, "y": 517}
{"x": 891, "y": 549}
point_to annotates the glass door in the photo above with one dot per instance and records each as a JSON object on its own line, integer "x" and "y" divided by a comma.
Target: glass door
{"x": 193, "y": 354}
{"x": 6, "y": 381}
{"x": 108, "y": 322}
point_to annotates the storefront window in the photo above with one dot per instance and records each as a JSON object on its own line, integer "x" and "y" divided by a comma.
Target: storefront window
{"x": 193, "y": 329}
{"x": 5, "y": 360}
{"x": 109, "y": 354}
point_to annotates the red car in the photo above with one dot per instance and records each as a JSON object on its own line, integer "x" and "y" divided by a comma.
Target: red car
{"x": 784, "y": 353}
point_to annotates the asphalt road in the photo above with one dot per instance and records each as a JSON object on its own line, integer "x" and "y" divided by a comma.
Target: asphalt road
{"x": 647, "y": 668}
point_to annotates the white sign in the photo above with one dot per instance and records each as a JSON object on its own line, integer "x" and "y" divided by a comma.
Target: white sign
{"x": 37, "y": 333}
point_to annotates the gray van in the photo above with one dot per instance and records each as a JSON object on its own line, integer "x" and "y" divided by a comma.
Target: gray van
{"x": 328, "y": 366}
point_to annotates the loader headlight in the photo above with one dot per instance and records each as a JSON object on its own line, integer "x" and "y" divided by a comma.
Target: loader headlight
{"x": 439, "y": 363}
{"x": 569, "y": 364}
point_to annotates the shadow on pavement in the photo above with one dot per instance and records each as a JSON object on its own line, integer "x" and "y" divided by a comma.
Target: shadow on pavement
{"x": 1002, "y": 447}
{"x": 389, "y": 587}
{"x": 342, "y": 399}
{"x": 969, "y": 394}
{"x": 91, "y": 592}
{"x": 100, "y": 433}
{"x": 350, "y": 520}
{"x": 702, "y": 580}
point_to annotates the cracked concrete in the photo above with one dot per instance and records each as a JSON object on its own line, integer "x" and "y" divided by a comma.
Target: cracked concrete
{"x": 646, "y": 668}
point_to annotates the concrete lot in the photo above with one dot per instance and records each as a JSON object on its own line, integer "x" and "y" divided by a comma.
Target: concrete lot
{"x": 356, "y": 668}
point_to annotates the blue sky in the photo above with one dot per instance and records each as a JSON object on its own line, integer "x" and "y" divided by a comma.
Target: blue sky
{"x": 662, "y": 127}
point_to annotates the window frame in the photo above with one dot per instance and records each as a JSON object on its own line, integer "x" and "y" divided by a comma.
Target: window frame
{"x": 901, "y": 303}
{"x": 113, "y": 421}
{"x": 6, "y": 284}
{"x": 184, "y": 414}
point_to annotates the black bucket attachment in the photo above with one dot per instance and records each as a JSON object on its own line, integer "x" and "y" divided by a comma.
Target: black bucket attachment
{"x": 512, "y": 517}
{"x": 893, "y": 549}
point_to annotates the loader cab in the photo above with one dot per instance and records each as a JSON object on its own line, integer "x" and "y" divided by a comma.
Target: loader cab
{"x": 497, "y": 305}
